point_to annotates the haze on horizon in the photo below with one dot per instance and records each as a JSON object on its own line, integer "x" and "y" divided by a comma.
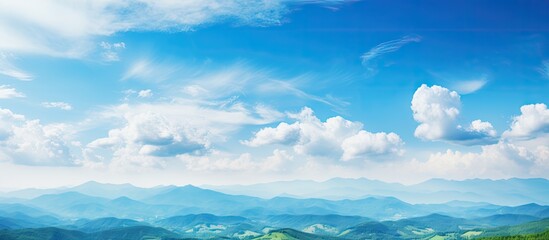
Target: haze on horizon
{"x": 241, "y": 92}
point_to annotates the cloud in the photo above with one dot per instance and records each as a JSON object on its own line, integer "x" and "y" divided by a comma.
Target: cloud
{"x": 544, "y": 69}
{"x": 7, "y": 92}
{"x": 60, "y": 105}
{"x": 335, "y": 137}
{"x": 8, "y": 69}
{"x": 437, "y": 109}
{"x": 501, "y": 160}
{"x": 533, "y": 121}
{"x": 469, "y": 86}
{"x": 148, "y": 137}
{"x": 59, "y": 28}
{"x": 28, "y": 142}
{"x": 111, "y": 50}
{"x": 150, "y": 71}
{"x": 280, "y": 160}
{"x": 152, "y": 134}
{"x": 387, "y": 47}
{"x": 145, "y": 93}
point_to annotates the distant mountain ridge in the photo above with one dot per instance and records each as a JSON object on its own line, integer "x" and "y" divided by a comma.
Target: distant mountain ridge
{"x": 513, "y": 191}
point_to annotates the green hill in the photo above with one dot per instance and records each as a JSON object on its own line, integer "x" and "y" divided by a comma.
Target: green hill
{"x": 291, "y": 234}
{"x": 129, "y": 233}
{"x": 521, "y": 229}
{"x": 535, "y": 236}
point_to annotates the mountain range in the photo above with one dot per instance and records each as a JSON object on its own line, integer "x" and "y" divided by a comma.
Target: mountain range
{"x": 104, "y": 211}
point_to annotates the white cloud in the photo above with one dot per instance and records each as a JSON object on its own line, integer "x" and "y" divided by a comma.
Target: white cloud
{"x": 437, "y": 108}
{"x": 365, "y": 143}
{"x": 544, "y": 69}
{"x": 8, "y": 69}
{"x": 533, "y": 121}
{"x": 66, "y": 29}
{"x": 469, "y": 86}
{"x": 145, "y": 93}
{"x": 280, "y": 160}
{"x": 387, "y": 47}
{"x": 148, "y": 135}
{"x": 111, "y": 50}
{"x": 335, "y": 137}
{"x": 61, "y": 105}
{"x": 282, "y": 134}
{"x": 28, "y": 142}
{"x": 152, "y": 134}
{"x": 500, "y": 160}
{"x": 150, "y": 71}
{"x": 7, "y": 92}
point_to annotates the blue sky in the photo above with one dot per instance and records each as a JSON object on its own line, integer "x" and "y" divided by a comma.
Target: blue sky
{"x": 217, "y": 92}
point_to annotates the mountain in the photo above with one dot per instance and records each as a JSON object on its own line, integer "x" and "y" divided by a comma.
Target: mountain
{"x": 127, "y": 233}
{"x": 62, "y": 200}
{"x": 514, "y": 191}
{"x": 23, "y": 209}
{"x": 103, "y": 224}
{"x": 521, "y": 229}
{"x": 371, "y": 230}
{"x": 111, "y": 191}
{"x": 505, "y": 220}
{"x": 192, "y": 220}
{"x": 204, "y": 200}
{"x": 43, "y": 233}
{"x": 291, "y": 234}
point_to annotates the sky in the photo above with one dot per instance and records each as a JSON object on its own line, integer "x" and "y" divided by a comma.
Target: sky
{"x": 241, "y": 92}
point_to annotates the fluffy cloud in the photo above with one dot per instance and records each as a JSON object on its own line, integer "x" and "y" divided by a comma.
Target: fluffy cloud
{"x": 28, "y": 142}
{"x": 152, "y": 134}
{"x": 148, "y": 135}
{"x": 7, "y": 92}
{"x": 335, "y": 137}
{"x": 437, "y": 108}
{"x": 533, "y": 121}
{"x": 61, "y": 105}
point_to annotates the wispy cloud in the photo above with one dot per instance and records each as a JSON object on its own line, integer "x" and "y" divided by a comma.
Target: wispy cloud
{"x": 60, "y": 28}
{"x": 387, "y": 47}
{"x": 60, "y": 105}
{"x": 7, "y": 92}
{"x": 8, "y": 69}
{"x": 470, "y": 86}
{"x": 544, "y": 69}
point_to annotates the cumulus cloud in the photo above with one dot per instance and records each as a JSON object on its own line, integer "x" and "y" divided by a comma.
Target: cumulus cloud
{"x": 152, "y": 134}
{"x": 147, "y": 135}
{"x": 7, "y": 92}
{"x": 521, "y": 152}
{"x": 28, "y": 142}
{"x": 436, "y": 109}
{"x": 335, "y": 137}
{"x": 60, "y": 105}
{"x": 533, "y": 121}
